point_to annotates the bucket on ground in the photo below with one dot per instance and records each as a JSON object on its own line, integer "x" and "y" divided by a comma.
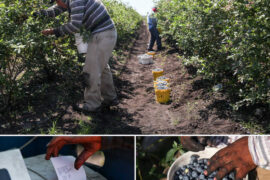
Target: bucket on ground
{"x": 145, "y": 59}
{"x": 163, "y": 94}
{"x": 152, "y": 53}
{"x": 157, "y": 73}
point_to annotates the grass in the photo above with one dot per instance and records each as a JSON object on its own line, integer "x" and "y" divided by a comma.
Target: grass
{"x": 54, "y": 130}
{"x": 85, "y": 128}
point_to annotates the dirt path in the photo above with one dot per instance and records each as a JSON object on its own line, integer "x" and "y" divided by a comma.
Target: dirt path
{"x": 193, "y": 109}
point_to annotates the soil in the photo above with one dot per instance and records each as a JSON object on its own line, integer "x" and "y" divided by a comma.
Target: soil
{"x": 193, "y": 109}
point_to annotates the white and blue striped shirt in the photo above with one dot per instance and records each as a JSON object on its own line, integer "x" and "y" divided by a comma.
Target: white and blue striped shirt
{"x": 91, "y": 14}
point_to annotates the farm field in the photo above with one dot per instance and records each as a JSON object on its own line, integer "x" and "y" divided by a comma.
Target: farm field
{"x": 38, "y": 97}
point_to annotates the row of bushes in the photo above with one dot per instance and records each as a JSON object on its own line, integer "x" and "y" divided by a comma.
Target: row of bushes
{"x": 26, "y": 54}
{"x": 227, "y": 40}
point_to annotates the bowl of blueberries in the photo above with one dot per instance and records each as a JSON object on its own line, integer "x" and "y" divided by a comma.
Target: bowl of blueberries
{"x": 191, "y": 165}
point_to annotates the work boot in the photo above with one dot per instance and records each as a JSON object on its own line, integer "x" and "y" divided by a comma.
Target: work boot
{"x": 150, "y": 49}
{"x": 114, "y": 102}
{"x": 82, "y": 107}
{"x": 160, "y": 49}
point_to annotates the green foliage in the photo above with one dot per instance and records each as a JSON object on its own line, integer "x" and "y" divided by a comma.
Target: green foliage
{"x": 153, "y": 164}
{"x": 229, "y": 39}
{"x": 26, "y": 55}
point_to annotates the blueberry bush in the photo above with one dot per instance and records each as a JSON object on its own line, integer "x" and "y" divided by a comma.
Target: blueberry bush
{"x": 26, "y": 55}
{"x": 226, "y": 40}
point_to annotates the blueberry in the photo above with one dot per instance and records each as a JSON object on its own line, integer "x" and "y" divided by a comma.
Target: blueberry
{"x": 200, "y": 161}
{"x": 180, "y": 177}
{"x": 225, "y": 178}
{"x": 200, "y": 170}
{"x": 194, "y": 174}
{"x": 185, "y": 178}
{"x": 231, "y": 175}
{"x": 202, "y": 177}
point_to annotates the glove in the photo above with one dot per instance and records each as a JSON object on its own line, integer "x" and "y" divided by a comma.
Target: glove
{"x": 47, "y": 32}
{"x": 90, "y": 144}
{"x": 192, "y": 143}
{"x": 234, "y": 157}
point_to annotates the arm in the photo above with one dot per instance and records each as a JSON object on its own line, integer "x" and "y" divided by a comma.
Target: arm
{"x": 77, "y": 12}
{"x": 52, "y": 11}
{"x": 259, "y": 147}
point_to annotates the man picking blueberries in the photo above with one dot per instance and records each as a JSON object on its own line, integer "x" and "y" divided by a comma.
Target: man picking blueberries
{"x": 152, "y": 25}
{"x": 93, "y": 16}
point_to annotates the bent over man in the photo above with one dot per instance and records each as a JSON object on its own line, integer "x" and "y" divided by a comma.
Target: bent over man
{"x": 93, "y": 16}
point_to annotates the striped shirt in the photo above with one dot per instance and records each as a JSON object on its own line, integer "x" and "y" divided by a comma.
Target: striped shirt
{"x": 259, "y": 148}
{"x": 90, "y": 14}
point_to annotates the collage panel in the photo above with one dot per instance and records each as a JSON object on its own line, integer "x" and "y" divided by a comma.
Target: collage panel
{"x": 66, "y": 158}
{"x": 203, "y": 157}
{"x": 139, "y": 67}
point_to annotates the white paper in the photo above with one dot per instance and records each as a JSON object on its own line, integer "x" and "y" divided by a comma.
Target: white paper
{"x": 64, "y": 167}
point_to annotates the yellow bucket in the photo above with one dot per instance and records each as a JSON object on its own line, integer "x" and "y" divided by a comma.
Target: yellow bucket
{"x": 163, "y": 78}
{"x": 163, "y": 94}
{"x": 151, "y": 53}
{"x": 157, "y": 73}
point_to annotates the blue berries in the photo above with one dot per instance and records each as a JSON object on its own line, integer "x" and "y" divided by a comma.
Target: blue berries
{"x": 194, "y": 171}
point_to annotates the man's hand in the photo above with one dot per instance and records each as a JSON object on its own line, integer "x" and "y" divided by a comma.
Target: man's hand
{"x": 235, "y": 157}
{"x": 48, "y": 32}
{"x": 195, "y": 144}
{"x": 90, "y": 144}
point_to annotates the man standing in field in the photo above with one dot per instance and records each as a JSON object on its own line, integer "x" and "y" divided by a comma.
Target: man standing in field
{"x": 152, "y": 25}
{"x": 93, "y": 16}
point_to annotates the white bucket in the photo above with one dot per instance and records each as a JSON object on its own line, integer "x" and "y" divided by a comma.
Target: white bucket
{"x": 145, "y": 59}
{"x": 185, "y": 159}
{"x": 81, "y": 46}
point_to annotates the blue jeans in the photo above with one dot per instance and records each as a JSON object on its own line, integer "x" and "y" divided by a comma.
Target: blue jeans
{"x": 154, "y": 37}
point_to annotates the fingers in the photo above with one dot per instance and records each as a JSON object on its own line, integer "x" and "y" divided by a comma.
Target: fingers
{"x": 82, "y": 158}
{"x": 54, "y": 147}
{"x": 220, "y": 159}
{"x": 224, "y": 171}
{"x": 240, "y": 174}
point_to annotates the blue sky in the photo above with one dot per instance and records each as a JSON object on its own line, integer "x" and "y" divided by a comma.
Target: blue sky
{"x": 142, "y": 6}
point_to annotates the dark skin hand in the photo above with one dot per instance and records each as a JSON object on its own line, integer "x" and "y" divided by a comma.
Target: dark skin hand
{"x": 48, "y": 32}
{"x": 193, "y": 143}
{"x": 91, "y": 145}
{"x": 235, "y": 157}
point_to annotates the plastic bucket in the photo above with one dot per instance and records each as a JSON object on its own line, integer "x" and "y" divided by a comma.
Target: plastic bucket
{"x": 81, "y": 46}
{"x": 163, "y": 95}
{"x": 145, "y": 59}
{"x": 157, "y": 73}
